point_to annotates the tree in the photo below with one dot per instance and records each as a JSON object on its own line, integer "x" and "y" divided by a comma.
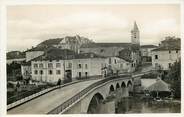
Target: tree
{"x": 174, "y": 78}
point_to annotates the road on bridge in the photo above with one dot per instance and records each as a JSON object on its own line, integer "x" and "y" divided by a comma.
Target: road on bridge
{"x": 49, "y": 101}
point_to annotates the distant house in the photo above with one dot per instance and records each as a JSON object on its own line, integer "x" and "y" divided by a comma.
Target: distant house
{"x": 146, "y": 52}
{"x": 15, "y": 56}
{"x": 164, "y": 57}
{"x": 118, "y": 65}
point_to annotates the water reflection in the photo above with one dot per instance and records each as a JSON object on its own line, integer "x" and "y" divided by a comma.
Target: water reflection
{"x": 136, "y": 105}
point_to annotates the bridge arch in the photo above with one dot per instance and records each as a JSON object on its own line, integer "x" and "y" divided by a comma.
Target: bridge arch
{"x": 123, "y": 85}
{"x": 111, "y": 89}
{"x": 129, "y": 83}
{"x": 95, "y": 103}
{"x": 117, "y": 86}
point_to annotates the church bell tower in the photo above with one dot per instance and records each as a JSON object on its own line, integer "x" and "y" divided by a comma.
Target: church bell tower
{"x": 135, "y": 35}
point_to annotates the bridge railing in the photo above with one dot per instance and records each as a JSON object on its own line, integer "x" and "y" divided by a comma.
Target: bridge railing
{"x": 73, "y": 99}
{"x": 31, "y": 96}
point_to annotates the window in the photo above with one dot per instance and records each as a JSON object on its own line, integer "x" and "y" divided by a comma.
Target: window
{"x": 58, "y": 65}
{"x": 115, "y": 61}
{"x": 69, "y": 65}
{"x": 41, "y": 65}
{"x": 41, "y": 72}
{"x": 50, "y": 72}
{"x": 79, "y": 66}
{"x": 169, "y": 51}
{"x": 35, "y": 72}
{"x": 102, "y": 50}
{"x": 58, "y": 72}
{"x": 86, "y": 66}
{"x": 50, "y": 65}
{"x": 170, "y": 65}
{"x": 156, "y": 56}
{"x": 35, "y": 65}
{"x": 176, "y": 51}
{"x": 109, "y": 60}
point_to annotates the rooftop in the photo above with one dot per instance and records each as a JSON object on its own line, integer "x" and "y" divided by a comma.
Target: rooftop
{"x": 64, "y": 54}
{"x": 167, "y": 48}
{"x": 94, "y": 45}
{"x": 149, "y": 46}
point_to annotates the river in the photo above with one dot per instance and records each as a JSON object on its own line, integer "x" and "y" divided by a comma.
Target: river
{"x": 136, "y": 105}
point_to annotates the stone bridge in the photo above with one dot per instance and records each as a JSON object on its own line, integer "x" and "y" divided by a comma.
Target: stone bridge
{"x": 80, "y": 97}
{"x": 94, "y": 98}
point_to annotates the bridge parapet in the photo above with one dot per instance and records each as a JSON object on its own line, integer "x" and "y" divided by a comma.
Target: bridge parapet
{"x": 67, "y": 104}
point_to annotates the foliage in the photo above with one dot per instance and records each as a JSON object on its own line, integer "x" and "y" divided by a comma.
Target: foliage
{"x": 14, "y": 69}
{"x": 174, "y": 78}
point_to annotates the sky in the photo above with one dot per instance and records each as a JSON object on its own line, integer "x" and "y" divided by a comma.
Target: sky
{"x": 28, "y": 25}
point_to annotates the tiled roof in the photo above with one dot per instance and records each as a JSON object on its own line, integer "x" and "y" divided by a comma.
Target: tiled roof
{"x": 56, "y": 54}
{"x": 15, "y": 55}
{"x": 148, "y": 46}
{"x": 160, "y": 85}
{"x": 167, "y": 48}
{"x": 94, "y": 45}
{"x": 125, "y": 54}
{"x": 87, "y": 55}
{"x": 63, "y": 54}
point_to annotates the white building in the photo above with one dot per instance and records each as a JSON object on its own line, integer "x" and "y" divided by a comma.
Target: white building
{"x": 61, "y": 64}
{"x": 118, "y": 65}
{"x": 164, "y": 57}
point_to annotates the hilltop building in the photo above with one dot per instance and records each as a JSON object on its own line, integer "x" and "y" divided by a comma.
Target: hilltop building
{"x": 69, "y": 42}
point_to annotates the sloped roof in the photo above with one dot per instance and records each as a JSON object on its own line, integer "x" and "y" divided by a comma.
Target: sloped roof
{"x": 166, "y": 48}
{"x": 87, "y": 55}
{"x": 145, "y": 83}
{"x": 56, "y": 54}
{"x": 94, "y": 45}
{"x": 63, "y": 54}
{"x": 160, "y": 85}
{"x": 148, "y": 46}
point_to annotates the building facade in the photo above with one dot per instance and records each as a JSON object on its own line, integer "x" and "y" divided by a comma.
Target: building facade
{"x": 146, "y": 52}
{"x": 78, "y": 67}
{"x": 163, "y": 58}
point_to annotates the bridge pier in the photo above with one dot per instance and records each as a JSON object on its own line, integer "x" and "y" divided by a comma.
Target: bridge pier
{"x": 125, "y": 92}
